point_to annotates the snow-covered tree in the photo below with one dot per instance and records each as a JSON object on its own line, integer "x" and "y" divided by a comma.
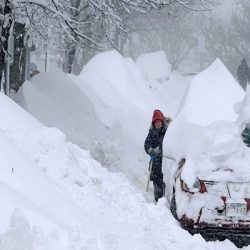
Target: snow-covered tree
{"x": 176, "y": 35}
{"x": 91, "y": 24}
{"x": 228, "y": 37}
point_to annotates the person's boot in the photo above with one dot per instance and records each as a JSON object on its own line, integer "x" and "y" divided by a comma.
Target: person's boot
{"x": 157, "y": 192}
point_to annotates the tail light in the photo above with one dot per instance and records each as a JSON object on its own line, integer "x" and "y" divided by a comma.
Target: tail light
{"x": 248, "y": 204}
{"x": 203, "y": 188}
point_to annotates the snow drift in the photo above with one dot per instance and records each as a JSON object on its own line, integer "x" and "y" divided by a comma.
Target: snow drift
{"x": 212, "y": 96}
{"x": 123, "y": 89}
{"x": 54, "y": 99}
{"x": 23, "y": 185}
{"x": 154, "y": 65}
{"x": 206, "y": 129}
{"x": 106, "y": 109}
{"x": 155, "y": 68}
{"x": 36, "y": 211}
{"x": 124, "y": 101}
{"x": 114, "y": 212}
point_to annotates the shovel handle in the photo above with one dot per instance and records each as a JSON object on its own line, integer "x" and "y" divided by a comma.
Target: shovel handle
{"x": 149, "y": 174}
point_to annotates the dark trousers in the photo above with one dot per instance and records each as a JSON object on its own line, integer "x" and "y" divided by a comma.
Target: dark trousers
{"x": 157, "y": 178}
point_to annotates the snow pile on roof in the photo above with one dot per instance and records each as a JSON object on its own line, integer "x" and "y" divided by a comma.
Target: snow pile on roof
{"x": 154, "y": 65}
{"x": 206, "y": 129}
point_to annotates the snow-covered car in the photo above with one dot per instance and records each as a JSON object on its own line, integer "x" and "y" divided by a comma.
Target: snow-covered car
{"x": 225, "y": 214}
{"x": 209, "y": 192}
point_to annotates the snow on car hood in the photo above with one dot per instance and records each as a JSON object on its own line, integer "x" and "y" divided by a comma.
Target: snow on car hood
{"x": 206, "y": 131}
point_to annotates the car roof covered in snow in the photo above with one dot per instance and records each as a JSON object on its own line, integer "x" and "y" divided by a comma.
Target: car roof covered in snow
{"x": 205, "y": 130}
{"x": 212, "y": 96}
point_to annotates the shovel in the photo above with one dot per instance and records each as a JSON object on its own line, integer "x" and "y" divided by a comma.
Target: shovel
{"x": 149, "y": 173}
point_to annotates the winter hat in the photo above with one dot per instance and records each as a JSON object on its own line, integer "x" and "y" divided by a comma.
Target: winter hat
{"x": 157, "y": 115}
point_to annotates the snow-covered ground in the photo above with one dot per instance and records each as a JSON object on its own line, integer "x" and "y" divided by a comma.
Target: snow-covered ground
{"x": 55, "y": 196}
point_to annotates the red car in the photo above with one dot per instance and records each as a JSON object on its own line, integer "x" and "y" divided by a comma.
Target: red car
{"x": 229, "y": 219}
{"x": 209, "y": 183}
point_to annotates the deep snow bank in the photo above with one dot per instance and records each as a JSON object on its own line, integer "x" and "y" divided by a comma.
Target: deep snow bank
{"x": 25, "y": 186}
{"x": 120, "y": 76}
{"x": 124, "y": 101}
{"x": 206, "y": 129}
{"x": 117, "y": 83}
{"x": 212, "y": 96}
{"x": 107, "y": 108}
{"x": 154, "y": 65}
{"x": 113, "y": 212}
{"x": 166, "y": 86}
{"x": 54, "y": 99}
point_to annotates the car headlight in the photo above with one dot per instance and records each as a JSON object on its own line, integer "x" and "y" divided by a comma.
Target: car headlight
{"x": 194, "y": 189}
{"x": 197, "y": 184}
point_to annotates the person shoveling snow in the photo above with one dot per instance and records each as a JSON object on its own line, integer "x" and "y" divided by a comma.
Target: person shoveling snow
{"x": 153, "y": 147}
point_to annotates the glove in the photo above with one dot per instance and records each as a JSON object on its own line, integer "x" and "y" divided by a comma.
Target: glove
{"x": 154, "y": 151}
{"x": 168, "y": 119}
{"x": 157, "y": 150}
